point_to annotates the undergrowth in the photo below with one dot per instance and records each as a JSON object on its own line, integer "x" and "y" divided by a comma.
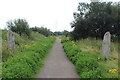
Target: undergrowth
{"x": 27, "y": 62}
{"x": 89, "y": 63}
{"x": 20, "y": 41}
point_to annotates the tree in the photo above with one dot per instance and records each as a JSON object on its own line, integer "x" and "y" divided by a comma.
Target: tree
{"x": 94, "y": 19}
{"x": 19, "y": 26}
{"x": 65, "y": 32}
{"x": 58, "y": 33}
{"x": 46, "y": 32}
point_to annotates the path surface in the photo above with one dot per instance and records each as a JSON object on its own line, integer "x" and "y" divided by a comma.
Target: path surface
{"x": 57, "y": 64}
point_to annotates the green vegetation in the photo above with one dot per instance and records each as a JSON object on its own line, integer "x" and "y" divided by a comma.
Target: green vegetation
{"x": 88, "y": 62}
{"x": 94, "y": 19}
{"x": 19, "y": 42}
{"x": 25, "y": 64}
{"x": 65, "y": 32}
{"x": 31, "y": 47}
{"x": 19, "y": 26}
{"x": 95, "y": 46}
{"x": 46, "y": 32}
{"x": 91, "y": 22}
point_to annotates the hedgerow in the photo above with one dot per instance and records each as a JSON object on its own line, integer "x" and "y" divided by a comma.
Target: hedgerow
{"x": 71, "y": 49}
{"x": 86, "y": 63}
{"x": 27, "y": 63}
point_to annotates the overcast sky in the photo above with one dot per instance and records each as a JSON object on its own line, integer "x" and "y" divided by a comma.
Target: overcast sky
{"x": 56, "y": 15}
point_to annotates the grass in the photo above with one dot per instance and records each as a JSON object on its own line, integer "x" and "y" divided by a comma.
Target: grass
{"x": 27, "y": 63}
{"x": 28, "y": 56}
{"x": 19, "y": 42}
{"x": 95, "y": 46}
{"x": 87, "y": 57}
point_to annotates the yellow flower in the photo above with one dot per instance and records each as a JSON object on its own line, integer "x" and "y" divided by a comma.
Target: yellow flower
{"x": 112, "y": 70}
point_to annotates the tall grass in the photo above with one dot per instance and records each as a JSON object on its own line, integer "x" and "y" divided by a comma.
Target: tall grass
{"x": 19, "y": 42}
{"x": 95, "y": 46}
{"x": 27, "y": 63}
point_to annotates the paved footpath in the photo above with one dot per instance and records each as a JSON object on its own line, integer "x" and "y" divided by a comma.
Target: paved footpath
{"x": 57, "y": 64}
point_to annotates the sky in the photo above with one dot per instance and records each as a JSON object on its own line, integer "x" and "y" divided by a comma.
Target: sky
{"x": 55, "y": 15}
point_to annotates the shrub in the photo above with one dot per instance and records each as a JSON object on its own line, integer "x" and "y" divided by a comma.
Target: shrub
{"x": 71, "y": 49}
{"x": 91, "y": 74}
{"x": 86, "y": 63}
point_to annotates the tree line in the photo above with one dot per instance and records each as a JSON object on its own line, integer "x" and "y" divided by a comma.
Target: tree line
{"x": 94, "y": 19}
{"x": 22, "y": 27}
{"x": 46, "y": 32}
{"x": 60, "y": 33}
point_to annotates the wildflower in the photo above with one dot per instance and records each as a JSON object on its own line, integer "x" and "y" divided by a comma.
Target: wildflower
{"x": 112, "y": 70}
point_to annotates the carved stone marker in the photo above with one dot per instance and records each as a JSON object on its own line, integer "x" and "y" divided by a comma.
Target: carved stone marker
{"x": 106, "y": 45}
{"x": 10, "y": 40}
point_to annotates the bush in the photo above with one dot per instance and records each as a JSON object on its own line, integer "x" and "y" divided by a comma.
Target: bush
{"x": 26, "y": 64}
{"x": 71, "y": 49}
{"x": 91, "y": 74}
{"x": 86, "y": 63}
